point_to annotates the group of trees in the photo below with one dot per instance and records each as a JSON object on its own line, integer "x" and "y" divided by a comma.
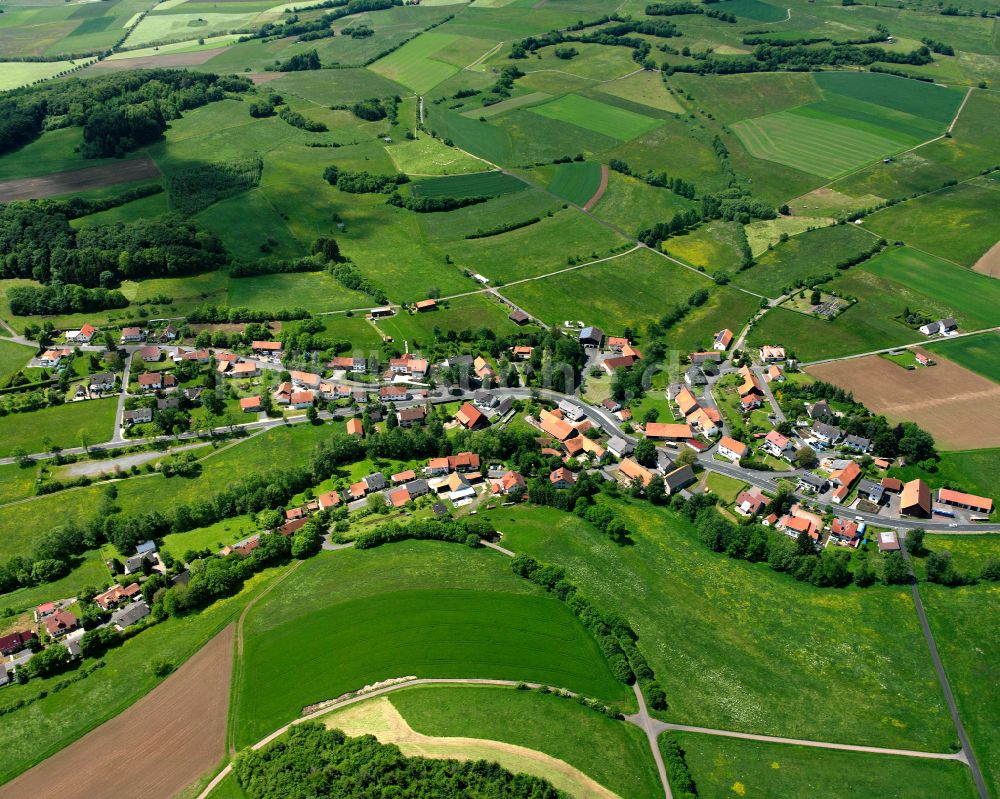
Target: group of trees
{"x": 311, "y": 762}
{"x": 363, "y": 182}
{"x": 300, "y": 62}
{"x": 679, "y": 9}
{"x": 376, "y": 108}
{"x": 57, "y": 298}
{"x": 38, "y": 243}
{"x": 771, "y": 58}
{"x": 118, "y": 112}
{"x": 678, "y": 186}
{"x": 320, "y": 27}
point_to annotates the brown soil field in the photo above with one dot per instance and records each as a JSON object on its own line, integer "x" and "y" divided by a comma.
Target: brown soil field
{"x": 155, "y": 61}
{"x": 600, "y": 189}
{"x": 257, "y": 78}
{"x": 989, "y": 263}
{"x": 91, "y": 177}
{"x": 156, "y": 748}
{"x": 959, "y": 408}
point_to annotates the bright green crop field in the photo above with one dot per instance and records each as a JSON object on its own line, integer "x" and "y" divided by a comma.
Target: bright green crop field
{"x": 981, "y": 354}
{"x": 62, "y": 425}
{"x": 427, "y": 609}
{"x": 599, "y": 117}
{"x": 576, "y": 182}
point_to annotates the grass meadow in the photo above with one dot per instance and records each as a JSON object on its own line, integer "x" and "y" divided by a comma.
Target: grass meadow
{"x": 314, "y": 291}
{"x": 413, "y": 65}
{"x": 632, "y": 204}
{"x": 645, "y": 88}
{"x": 713, "y": 247}
{"x": 429, "y": 609}
{"x": 725, "y": 767}
{"x": 60, "y": 425}
{"x": 973, "y": 471}
{"x": 479, "y": 184}
{"x": 809, "y": 254}
{"x": 847, "y": 665}
{"x": 958, "y": 223}
{"x": 462, "y": 313}
{"x": 613, "y": 753}
{"x": 13, "y": 357}
{"x": 961, "y": 619}
{"x": 980, "y": 354}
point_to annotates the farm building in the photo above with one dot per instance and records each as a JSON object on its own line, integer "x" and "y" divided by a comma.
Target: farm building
{"x": 915, "y": 499}
{"x": 668, "y": 432}
{"x": 958, "y": 499}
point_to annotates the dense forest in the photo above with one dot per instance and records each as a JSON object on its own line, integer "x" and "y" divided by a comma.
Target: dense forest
{"x": 117, "y": 112}
{"x": 312, "y": 762}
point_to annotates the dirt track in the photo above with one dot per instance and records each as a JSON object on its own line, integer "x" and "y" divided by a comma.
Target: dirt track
{"x": 91, "y": 177}
{"x": 158, "y": 61}
{"x": 947, "y": 400}
{"x": 600, "y": 189}
{"x": 156, "y": 748}
{"x": 989, "y": 263}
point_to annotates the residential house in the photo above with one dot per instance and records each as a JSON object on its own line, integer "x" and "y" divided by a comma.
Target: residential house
{"x": 857, "y": 443}
{"x": 558, "y": 428}
{"x": 16, "y": 641}
{"x": 931, "y": 328}
{"x": 883, "y": 463}
{"x": 510, "y": 483}
{"x": 591, "y": 336}
{"x": 417, "y": 488}
{"x": 115, "y": 595}
{"x": 923, "y": 359}
{"x": 819, "y": 410}
{"x": 266, "y": 347}
{"x": 132, "y": 335}
{"x": 611, "y": 404}
{"x": 150, "y": 354}
{"x": 722, "y": 340}
{"x": 129, "y": 615}
{"x": 562, "y": 478}
{"x": 375, "y": 481}
{"x": 942, "y": 326}
{"x": 617, "y": 343}
{"x": 750, "y": 387}
{"x": 710, "y": 356}
{"x": 283, "y": 394}
{"x": 355, "y": 428}
{"x": 521, "y": 352}
{"x": 731, "y": 449}
{"x": 51, "y": 358}
{"x": 307, "y": 379}
{"x": 137, "y": 416}
{"x": 347, "y": 363}
{"x": 687, "y": 402}
{"x": 826, "y": 434}
{"x": 290, "y": 527}
{"x": 358, "y": 490}
{"x": 60, "y": 623}
{"x": 168, "y": 403}
{"x": 4, "y": 676}
{"x": 751, "y": 502}
{"x": 793, "y": 526}
{"x": 103, "y": 381}
{"x": 483, "y": 369}
{"x": 331, "y": 499}
{"x": 169, "y": 333}
{"x": 408, "y": 366}
{"x": 45, "y": 610}
{"x": 150, "y": 381}
{"x": 198, "y": 356}
{"x": 888, "y": 541}
{"x": 609, "y": 365}
{"x": 407, "y": 417}
{"x": 678, "y": 479}
{"x": 778, "y": 445}
{"x": 470, "y": 417}
{"x": 693, "y": 376}
{"x": 619, "y": 447}
{"x": 871, "y": 491}
{"x": 394, "y": 394}
{"x": 301, "y": 399}
{"x": 403, "y": 477}
{"x": 774, "y": 374}
{"x": 959, "y": 499}
{"x": 847, "y": 476}
{"x": 915, "y": 499}
{"x": 398, "y": 497}
{"x": 846, "y": 532}
{"x": 772, "y": 354}
{"x": 629, "y": 470}
{"x": 250, "y": 405}
{"x": 81, "y": 336}
{"x": 811, "y": 483}
{"x": 660, "y": 431}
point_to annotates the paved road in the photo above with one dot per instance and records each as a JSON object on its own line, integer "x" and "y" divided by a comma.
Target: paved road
{"x": 766, "y": 387}
{"x": 117, "y": 436}
{"x": 968, "y": 756}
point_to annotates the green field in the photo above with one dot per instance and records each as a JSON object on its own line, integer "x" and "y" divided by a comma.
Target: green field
{"x": 806, "y": 255}
{"x": 727, "y": 657}
{"x": 433, "y": 610}
{"x": 961, "y": 619}
{"x": 981, "y": 354}
{"x": 815, "y": 141}
{"x": 712, "y": 247}
{"x": 632, "y": 204}
{"x": 462, "y": 313}
{"x": 62, "y": 425}
{"x": 958, "y": 223}
{"x": 723, "y": 768}
{"x": 926, "y": 100}
{"x": 13, "y": 357}
{"x": 608, "y": 120}
{"x": 614, "y": 753}
{"x": 480, "y": 184}
{"x": 576, "y": 182}
{"x": 314, "y": 291}
{"x": 973, "y": 471}
{"x": 413, "y": 64}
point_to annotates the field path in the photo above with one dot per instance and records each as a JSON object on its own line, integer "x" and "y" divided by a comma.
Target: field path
{"x": 91, "y": 177}
{"x": 152, "y": 750}
{"x": 961, "y": 108}
{"x": 603, "y": 187}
